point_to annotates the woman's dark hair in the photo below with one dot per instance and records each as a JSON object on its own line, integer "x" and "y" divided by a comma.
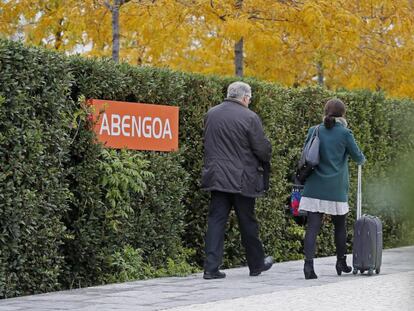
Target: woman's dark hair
{"x": 334, "y": 108}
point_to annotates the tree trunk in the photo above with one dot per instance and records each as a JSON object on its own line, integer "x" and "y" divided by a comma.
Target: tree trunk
{"x": 238, "y": 48}
{"x": 115, "y": 30}
{"x": 59, "y": 35}
{"x": 319, "y": 67}
{"x": 238, "y": 57}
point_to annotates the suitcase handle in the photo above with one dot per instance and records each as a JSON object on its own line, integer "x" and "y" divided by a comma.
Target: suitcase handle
{"x": 359, "y": 193}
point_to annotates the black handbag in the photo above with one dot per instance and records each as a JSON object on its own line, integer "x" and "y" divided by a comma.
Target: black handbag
{"x": 266, "y": 175}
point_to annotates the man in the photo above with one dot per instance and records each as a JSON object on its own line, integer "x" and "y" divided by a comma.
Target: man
{"x": 234, "y": 148}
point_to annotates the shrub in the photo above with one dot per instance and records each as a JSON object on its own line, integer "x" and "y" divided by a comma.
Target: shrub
{"x": 75, "y": 214}
{"x": 35, "y": 115}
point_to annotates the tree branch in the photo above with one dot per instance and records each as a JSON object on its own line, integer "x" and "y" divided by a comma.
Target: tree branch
{"x": 108, "y": 5}
{"x": 268, "y": 19}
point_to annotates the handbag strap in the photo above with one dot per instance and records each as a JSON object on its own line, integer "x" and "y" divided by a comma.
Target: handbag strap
{"x": 315, "y": 132}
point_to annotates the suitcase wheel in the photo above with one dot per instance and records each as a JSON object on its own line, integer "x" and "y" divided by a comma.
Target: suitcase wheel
{"x": 377, "y": 271}
{"x": 370, "y": 271}
{"x": 355, "y": 271}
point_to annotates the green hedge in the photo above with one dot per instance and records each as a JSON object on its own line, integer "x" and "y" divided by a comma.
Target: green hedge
{"x": 34, "y": 142}
{"x": 74, "y": 214}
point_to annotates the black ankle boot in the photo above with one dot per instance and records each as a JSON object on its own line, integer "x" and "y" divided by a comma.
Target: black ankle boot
{"x": 341, "y": 265}
{"x": 308, "y": 270}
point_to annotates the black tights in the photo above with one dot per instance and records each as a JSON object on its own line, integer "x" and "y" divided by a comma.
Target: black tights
{"x": 312, "y": 230}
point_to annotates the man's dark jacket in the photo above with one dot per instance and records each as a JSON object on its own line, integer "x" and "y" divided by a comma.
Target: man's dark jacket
{"x": 235, "y": 148}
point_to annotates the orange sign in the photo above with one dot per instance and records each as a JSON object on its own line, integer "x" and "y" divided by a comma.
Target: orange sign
{"x": 135, "y": 125}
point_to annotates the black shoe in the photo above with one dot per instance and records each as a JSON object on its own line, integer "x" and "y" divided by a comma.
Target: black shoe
{"x": 341, "y": 266}
{"x": 213, "y": 275}
{"x": 267, "y": 264}
{"x": 308, "y": 270}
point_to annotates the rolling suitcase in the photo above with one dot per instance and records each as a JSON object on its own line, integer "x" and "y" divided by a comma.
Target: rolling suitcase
{"x": 367, "y": 245}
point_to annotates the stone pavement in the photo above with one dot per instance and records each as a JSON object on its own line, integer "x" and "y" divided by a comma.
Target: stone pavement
{"x": 281, "y": 288}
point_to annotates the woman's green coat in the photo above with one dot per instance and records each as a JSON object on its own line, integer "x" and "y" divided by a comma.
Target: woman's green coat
{"x": 330, "y": 179}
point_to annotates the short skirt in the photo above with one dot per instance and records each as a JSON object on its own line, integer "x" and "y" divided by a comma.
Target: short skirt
{"x": 323, "y": 206}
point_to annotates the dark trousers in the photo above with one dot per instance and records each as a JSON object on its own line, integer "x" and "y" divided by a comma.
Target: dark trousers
{"x": 312, "y": 230}
{"x": 220, "y": 206}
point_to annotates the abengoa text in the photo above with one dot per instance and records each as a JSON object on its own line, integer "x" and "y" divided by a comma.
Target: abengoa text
{"x": 135, "y": 126}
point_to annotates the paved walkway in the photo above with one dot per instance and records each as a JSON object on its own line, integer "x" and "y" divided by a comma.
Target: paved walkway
{"x": 281, "y": 288}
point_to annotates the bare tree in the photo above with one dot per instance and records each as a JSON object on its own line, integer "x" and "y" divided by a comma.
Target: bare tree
{"x": 114, "y": 9}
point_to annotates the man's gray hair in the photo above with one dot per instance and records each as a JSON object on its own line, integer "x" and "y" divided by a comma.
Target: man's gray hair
{"x": 239, "y": 89}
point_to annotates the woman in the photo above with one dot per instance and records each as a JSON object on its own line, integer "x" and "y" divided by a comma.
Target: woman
{"x": 326, "y": 189}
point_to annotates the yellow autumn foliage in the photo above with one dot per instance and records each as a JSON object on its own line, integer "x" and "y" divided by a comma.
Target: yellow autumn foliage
{"x": 359, "y": 43}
